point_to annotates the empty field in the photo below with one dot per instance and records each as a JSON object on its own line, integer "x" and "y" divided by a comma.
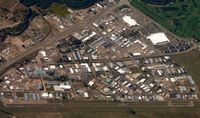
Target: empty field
{"x": 118, "y": 112}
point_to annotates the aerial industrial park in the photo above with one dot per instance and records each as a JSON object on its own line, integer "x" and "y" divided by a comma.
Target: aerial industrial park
{"x": 109, "y": 52}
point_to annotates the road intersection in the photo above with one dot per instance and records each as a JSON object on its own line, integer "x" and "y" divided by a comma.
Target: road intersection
{"x": 51, "y": 39}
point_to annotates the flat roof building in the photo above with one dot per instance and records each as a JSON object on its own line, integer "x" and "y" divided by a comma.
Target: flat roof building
{"x": 129, "y": 21}
{"x": 158, "y": 38}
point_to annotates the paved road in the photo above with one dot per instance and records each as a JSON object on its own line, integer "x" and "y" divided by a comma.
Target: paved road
{"x": 125, "y": 58}
{"x": 51, "y": 39}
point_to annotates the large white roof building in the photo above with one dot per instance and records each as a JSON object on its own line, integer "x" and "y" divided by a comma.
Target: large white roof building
{"x": 129, "y": 21}
{"x": 158, "y": 38}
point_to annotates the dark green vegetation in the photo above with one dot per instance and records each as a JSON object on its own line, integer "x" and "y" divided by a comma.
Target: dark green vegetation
{"x": 77, "y": 4}
{"x": 59, "y": 9}
{"x": 158, "y": 2}
{"x": 191, "y": 61}
{"x": 181, "y": 17}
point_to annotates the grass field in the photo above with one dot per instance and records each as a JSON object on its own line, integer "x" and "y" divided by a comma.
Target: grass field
{"x": 191, "y": 61}
{"x": 140, "y": 112}
{"x": 59, "y": 9}
{"x": 181, "y": 17}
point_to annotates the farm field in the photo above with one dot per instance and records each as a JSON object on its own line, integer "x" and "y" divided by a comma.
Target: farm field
{"x": 181, "y": 17}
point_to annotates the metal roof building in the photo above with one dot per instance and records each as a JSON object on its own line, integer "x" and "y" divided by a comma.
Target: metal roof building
{"x": 158, "y": 38}
{"x": 129, "y": 21}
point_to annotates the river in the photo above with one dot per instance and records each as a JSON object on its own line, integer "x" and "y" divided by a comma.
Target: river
{"x": 75, "y": 4}
{"x": 17, "y": 30}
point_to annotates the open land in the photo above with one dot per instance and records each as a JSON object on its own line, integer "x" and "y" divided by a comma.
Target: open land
{"x": 91, "y": 111}
{"x": 7, "y": 3}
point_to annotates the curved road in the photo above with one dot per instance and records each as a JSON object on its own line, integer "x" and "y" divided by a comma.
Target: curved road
{"x": 51, "y": 39}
